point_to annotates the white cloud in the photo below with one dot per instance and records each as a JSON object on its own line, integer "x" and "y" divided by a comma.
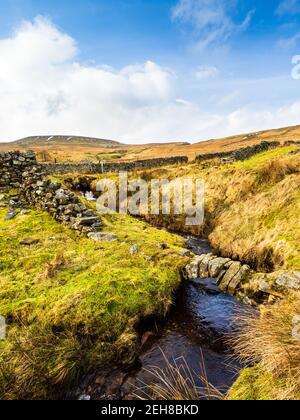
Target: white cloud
{"x": 289, "y": 43}
{"x": 206, "y": 72}
{"x": 44, "y": 90}
{"x": 211, "y": 20}
{"x": 288, "y": 7}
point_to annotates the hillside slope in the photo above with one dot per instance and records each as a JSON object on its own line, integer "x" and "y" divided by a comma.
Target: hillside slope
{"x": 75, "y": 149}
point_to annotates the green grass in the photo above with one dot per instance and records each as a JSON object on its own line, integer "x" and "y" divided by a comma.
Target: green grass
{"x": 77, "y": 296}
{"x": 264, "y": 157}
{"x": 254, "y": 384}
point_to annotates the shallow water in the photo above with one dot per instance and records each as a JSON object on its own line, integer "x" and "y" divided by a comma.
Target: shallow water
{"x": 194, "y": 335}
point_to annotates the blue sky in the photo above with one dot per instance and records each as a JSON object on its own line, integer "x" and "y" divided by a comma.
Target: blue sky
{"x": 147, "y": 70}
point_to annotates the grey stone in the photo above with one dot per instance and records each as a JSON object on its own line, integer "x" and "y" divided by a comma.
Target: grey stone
{"x": 240, "y": 277}
{"x": 191, "y": 271}
{"x": 102, "y": 236}
{"x": 10, "y": 215}
{"x": 87, "y": 221}
{"x": 230, "y": 274}
{"x": 216, "y": 266}
{"x": 203, "y": 267}
{"x": 289, "y": 280}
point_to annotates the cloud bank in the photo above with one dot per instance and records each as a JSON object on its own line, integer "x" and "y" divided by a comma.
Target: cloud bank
{"x": 46, "y": 90}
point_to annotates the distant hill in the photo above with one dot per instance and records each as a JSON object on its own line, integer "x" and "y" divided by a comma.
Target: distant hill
{"x": 78, "y": 149}
{"x": 46, "y": 141}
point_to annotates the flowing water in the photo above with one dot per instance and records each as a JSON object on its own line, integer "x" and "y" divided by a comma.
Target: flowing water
{"x": 194, "y": 335}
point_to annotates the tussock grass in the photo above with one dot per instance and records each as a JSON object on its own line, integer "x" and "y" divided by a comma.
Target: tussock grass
{"x": 276, "y": 170}
{"x": 176, "y": 382}
{"x": 252, "y": 208}
{"x": 267, "y": 341}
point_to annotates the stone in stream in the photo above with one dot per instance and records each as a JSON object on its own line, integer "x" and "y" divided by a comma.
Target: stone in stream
{"x": 191, "y": 271}
{"x": 229, "y": 275}
{"x": 203, "y": 267}
{"x": 241, "y": 276}
{"x": 216, "y": 266}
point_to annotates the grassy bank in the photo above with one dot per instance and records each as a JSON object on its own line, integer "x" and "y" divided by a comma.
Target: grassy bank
{"x": 271, "y": 343}
{"x": 71, "y": 303}
{"x": 252, "y": 208}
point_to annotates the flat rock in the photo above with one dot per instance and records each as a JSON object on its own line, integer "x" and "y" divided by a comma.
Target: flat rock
{"x": 29, "y": 241}
{"x": 87, "y": 221}
{"x": 11, "y": 215}
{"x": 191, "y": 271}
{"x": 102, "y": 236}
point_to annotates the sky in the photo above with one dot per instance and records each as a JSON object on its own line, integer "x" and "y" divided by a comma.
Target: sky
{"x": 142, "y": 71}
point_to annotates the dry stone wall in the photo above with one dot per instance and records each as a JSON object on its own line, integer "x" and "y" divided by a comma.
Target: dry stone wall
{"x": 21, "y": 171}
{"x": 108, "y": 167}
{"x": 239, "y": 154}
{"x": 62, "y": 204}
{"x": 12, "y": 166}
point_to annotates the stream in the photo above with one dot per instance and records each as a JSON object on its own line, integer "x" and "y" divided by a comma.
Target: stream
{"x": 193, "y": 336}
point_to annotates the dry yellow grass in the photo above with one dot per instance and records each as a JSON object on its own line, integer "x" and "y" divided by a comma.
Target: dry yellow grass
{"x": 270, "y": 340}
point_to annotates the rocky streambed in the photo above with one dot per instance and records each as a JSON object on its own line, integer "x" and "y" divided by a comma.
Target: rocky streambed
{"x": 193, "y": 337}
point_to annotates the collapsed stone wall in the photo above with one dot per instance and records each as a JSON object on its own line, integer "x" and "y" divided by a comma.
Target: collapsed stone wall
{"x": 239, "y": 154}
{"x": 236, "y": 279}
{"x": 21, "y": 171}
{"x": 12, "y": 166}
{"x": 62, "y": 204}
{"x": 90, "y": 168}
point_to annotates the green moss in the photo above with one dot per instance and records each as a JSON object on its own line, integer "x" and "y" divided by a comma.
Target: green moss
{"x": 253, "y": 384}
{"x": 87, "y": 291}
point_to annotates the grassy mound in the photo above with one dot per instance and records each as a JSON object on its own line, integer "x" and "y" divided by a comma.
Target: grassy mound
{"x": 71, "y": 303}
